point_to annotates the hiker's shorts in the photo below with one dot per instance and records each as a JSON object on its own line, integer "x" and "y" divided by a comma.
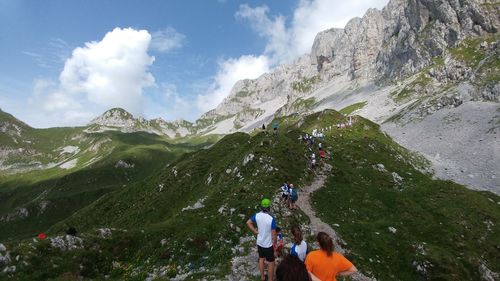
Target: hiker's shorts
{"x": 267, "y": 253}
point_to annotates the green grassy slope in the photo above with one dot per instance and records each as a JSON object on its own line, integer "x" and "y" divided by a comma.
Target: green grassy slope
{"x": 151, "y": 210}
{"x": 66, "y": 191}
{"x": 440, "y": 226}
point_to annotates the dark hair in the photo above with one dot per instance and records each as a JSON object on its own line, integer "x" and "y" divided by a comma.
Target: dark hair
{"x": 278, "y": 229}
{"x": 325, "y": 242}
{"x": 297, "y": 234}
{"x": 292, "y": 269}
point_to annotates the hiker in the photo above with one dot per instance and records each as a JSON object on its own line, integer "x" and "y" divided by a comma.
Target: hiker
{"x": 322, "y": 154}
{"x": 280, "y": 243}
{"x": 292, "y": 269}
{"x": 313, "y": 160}
{"x": 263, "y": 127}
{"x": 299, "y": 248}
{"x": 275, "y": 127}
{"x": 326, "y": 264}
{"x": 293, "y": 197}
{"x": 266, "y": 237}
{"x": 284, "y": 192}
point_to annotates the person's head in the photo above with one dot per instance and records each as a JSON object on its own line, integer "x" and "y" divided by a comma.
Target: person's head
{"x": 291, "y": 185}
{"x": 292, "y": 268}
{"x": 297, "y": 234}
{"x": 265, "y": 204}
{"x": 278, "y": 229}
{"x": 325, "y": 242}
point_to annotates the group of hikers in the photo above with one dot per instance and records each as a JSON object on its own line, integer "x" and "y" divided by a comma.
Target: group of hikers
{"x": 289, "y": 195}
{"x": 309, "y": 140}
{"x": 300, "y": 265}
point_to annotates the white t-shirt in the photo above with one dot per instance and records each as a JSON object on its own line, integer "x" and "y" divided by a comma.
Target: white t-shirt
{"x": 300, "y": 250}
{"x": 265, "y": 225}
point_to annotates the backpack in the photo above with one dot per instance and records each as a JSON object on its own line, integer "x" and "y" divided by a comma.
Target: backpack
{"x": 294, "y": 194}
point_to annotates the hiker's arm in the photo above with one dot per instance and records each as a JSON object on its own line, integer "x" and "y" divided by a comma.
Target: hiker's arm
{"x": 348, "y": 272}
{"x": 313, "y": 277}
{"x": 252, "y": 228}
{"x": 274, "y": 236}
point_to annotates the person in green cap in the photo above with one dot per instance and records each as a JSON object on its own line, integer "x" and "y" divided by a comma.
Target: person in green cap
{"x": 266, "y": 237}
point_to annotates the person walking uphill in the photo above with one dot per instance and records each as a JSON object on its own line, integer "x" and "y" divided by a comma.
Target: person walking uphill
{"x": 325, "y": 264}
{"x": 266, "y": 237}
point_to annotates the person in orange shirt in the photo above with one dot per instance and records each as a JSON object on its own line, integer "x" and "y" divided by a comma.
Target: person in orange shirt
{"x": 325, "y": 264}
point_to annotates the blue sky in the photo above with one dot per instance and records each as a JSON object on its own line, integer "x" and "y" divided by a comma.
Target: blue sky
{"x": 64, "y": 62}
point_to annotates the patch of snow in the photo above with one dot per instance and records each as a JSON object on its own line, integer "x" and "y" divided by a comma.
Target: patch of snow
{"x": 392, "y": 230}
{"x": 70, "y": 149}
{"x": 69, "y": 164}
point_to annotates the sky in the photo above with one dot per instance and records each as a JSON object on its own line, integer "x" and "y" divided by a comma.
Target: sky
{"x": 64, "y": 62}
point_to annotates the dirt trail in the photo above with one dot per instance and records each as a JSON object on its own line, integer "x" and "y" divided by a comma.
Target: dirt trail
{"x": 244, "y": 266}
{"x": 317, "y": 225}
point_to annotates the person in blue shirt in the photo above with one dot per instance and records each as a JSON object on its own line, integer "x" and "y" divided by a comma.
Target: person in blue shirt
{"x": 266, "y": 237}
{"x": 299, "y": 248}
{"x": 280, "y": 243}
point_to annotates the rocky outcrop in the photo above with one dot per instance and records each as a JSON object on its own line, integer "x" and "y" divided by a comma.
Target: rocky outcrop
{"x": 383, "y": 46}
{"x": 120, "y": 119}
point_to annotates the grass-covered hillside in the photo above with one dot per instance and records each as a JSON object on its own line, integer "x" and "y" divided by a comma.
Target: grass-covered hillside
{"x": 197, "y": 206}
{"x": 398, "y": 222}
{"x": 31, "y": 202}
{"x": 186, "y": 219}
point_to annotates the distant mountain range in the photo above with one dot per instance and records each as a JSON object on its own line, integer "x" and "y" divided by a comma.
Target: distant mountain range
{"x": 424, "y": 70}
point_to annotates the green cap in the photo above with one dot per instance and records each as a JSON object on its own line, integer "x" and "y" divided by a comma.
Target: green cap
{"x": 265, "y": 203}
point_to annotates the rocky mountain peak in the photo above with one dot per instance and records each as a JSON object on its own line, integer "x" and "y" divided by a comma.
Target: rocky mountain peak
{"x": 115, "y": 117}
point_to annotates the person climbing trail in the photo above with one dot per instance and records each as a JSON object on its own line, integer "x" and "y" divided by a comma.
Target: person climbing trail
{"x": 292, "y": 269}
{"x": 299, "y": 247}
{"x": 326, "y": 264}
{"x": 284, "y": 193}
{"x": 275, "y": 127}
{"x": 293, "y": 197}
{"x": 266, "y": 237}
{"x": 280, "y": 243}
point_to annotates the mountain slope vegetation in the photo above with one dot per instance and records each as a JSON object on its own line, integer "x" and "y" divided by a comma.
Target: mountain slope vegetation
{"x": 186, "y": 220}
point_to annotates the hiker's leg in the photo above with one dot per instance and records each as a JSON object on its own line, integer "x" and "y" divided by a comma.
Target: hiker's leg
{"x": 261, "y": 268}
{"x": 270, "y": 273}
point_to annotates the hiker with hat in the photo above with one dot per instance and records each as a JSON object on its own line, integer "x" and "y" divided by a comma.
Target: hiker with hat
{"x": 266, "y": 237}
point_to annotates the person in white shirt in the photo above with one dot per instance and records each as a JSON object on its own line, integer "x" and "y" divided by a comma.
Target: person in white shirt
{"x": 266, "y": 237}
{"x": 299, "y": 248}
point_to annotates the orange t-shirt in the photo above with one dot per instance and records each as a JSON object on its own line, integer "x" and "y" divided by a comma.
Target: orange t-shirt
{"x": 326, "y": 267}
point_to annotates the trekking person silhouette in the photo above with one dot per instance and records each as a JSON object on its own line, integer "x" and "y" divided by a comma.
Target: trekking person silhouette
{"x": 266, "y": 237}
{"x": 326, "y": 264}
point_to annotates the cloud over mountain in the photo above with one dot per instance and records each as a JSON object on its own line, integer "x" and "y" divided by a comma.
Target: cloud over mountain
{"x": 112, "y": 72}
{"x": 230, "y": 71}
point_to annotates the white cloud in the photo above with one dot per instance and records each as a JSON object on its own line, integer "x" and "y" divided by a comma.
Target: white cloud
{"x": 230, "y": 71}
{"x": 109, "y": 73}
{"x": 272, "y": 29}
{"x": 287, "y": 42}
{"x": 166, "y": 40}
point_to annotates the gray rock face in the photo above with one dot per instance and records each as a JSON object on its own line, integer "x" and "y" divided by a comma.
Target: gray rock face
{"x": 418, "y": 30}
{"x": 120, "y": 119}
{"x": 394, "y": 43}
